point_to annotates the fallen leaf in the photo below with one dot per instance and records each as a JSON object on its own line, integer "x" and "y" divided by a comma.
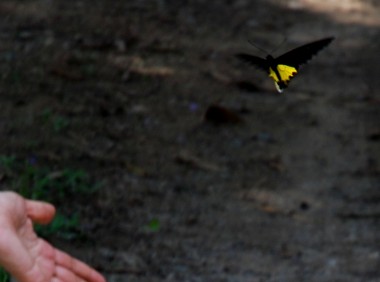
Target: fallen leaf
{"x": 219, "y": 115}
{"x": 273, "y": 202}
{"x": 219, "y": 77}
{"x": 138, "y": 66}
{"x": 275, "y": 163}
{"x": 158, "y": 71}
{"x": 65, "y": 67}
{"x": 66, "y": 73}
{"x": 374, "y": 135}
{"x": 193, "y": 161}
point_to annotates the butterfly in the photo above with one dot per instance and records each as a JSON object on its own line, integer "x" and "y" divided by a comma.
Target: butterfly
{"x": 283, "y": 68}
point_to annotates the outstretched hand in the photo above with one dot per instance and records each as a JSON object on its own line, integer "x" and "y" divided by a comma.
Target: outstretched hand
{"x": 26, "y": 256}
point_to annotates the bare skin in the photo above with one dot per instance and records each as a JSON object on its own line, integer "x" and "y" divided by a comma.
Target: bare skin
{"x": 26, "y": 256}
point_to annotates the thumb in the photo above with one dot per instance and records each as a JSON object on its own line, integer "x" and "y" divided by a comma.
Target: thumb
{"x": 40, "y": 212}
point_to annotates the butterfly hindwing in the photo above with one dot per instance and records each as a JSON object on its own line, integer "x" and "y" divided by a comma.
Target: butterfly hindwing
{"x": 285, "y": 72}
{"x": 302, "y": 54}
{"x": 282, "y": 76}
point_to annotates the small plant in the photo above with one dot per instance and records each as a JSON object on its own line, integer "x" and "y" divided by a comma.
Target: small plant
{"x": 41, "y": 183}
{"x": 59, "y": 123}
{"x": 153, "y": 225}
{"x": 7, "y": 162}
{"x": 4, "y": 276}
{"x": 61, "y": 226}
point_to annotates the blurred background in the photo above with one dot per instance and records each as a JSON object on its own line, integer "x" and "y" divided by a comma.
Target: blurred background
{"x": 170, "y": 160}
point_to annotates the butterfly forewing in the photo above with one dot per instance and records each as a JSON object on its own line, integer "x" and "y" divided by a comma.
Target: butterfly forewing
{"x": 301, "y": 55}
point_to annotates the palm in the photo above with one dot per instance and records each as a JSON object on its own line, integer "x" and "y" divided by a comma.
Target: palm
{"x": 28, "y": 257}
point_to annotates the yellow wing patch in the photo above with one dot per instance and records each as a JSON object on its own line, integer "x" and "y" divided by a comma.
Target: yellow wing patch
{"x": 285, "y": 72}
{"x": 273, "y": 75}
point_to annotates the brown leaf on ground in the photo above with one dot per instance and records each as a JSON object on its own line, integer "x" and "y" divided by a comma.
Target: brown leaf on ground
{"x": 272, "y": 202}
{"x": 189, "y": 159}
{"x": 155, "y": 71}
{"x": 66, "y": 73}
{"x": 138, "y": 66}
{"x": 221, "y": 115}
{"x": 221, "y": 77}
{"x": 275, "y": 163}
{"x": 66, "y": 67}
{"x": 374, "y": 135}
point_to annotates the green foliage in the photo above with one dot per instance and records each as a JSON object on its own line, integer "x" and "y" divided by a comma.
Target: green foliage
{"x": 57, "y": 186}
{"x": 40, "y": 183}
{"x": 153, "y": 225}
{"x": 58, "y": 123}
{"x": 7, "y": 163}
{"x": 4, "y": 276}
{"x": 62, "y": 226}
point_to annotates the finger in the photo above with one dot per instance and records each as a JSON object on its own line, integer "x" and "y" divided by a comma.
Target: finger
{"x": 78, "y": 267}
{"x": 56, "y": 279}
{"x": 40, "y": 212}
{"x": 65, "y": 275}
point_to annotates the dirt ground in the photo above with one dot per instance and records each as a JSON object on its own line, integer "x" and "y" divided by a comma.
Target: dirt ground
{"x": 208, "y": 174}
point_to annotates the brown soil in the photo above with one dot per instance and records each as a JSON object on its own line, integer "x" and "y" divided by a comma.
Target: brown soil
{"x": 264, "y": 187}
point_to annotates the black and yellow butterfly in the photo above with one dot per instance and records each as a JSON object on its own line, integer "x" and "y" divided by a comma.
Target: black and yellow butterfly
{"x": 284, "y": 67}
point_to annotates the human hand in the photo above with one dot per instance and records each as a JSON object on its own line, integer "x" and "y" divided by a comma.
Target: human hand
{"x": 26, "y": 256}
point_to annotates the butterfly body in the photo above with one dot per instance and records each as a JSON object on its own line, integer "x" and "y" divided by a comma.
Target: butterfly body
{"x": 283, "y": 68}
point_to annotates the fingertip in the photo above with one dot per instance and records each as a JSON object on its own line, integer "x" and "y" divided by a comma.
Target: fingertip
{"x": 101, "y": 277}
{"x": 40, "y": 212}
{"x": 97, "y": 277}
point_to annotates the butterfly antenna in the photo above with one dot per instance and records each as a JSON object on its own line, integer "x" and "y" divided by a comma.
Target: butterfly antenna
{"x": 279, "y": 45}
{"x": 257, "y": 47}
